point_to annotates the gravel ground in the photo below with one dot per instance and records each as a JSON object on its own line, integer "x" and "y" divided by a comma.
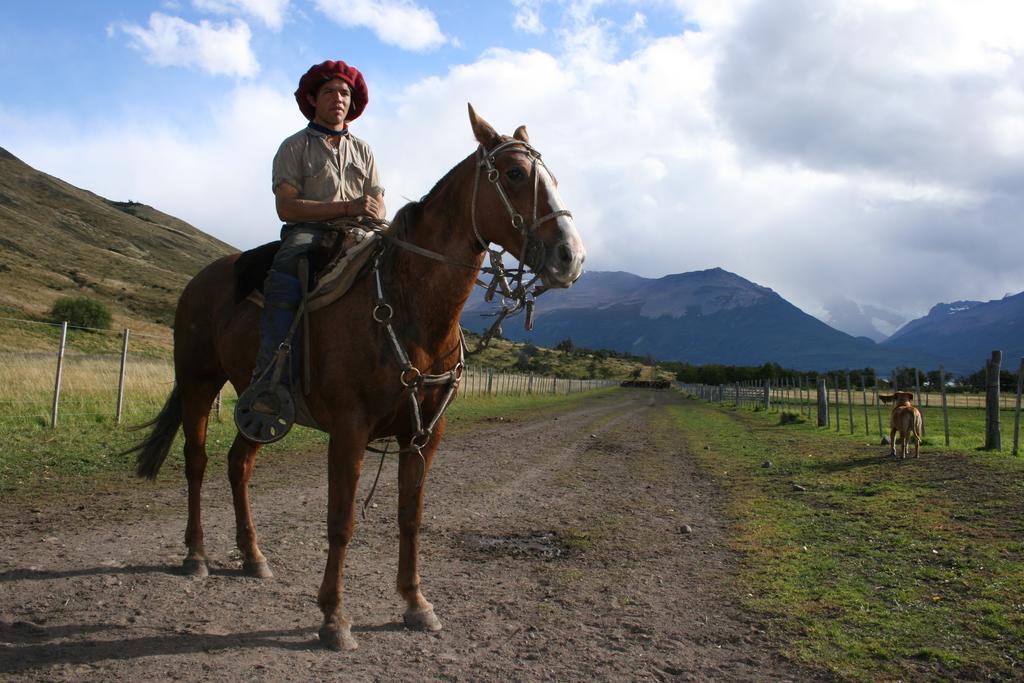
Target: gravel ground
{"x": 580, "y": 545}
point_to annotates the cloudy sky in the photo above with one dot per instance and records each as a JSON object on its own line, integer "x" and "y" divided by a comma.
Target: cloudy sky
{"x": 863, "y": 158}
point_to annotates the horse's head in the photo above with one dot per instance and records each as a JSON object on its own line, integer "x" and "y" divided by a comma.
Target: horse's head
{"x": 518, "y": 207}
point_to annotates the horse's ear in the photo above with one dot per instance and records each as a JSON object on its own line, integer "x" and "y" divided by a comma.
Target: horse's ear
{"x": 482, "y": 130}
{"x": 521, "y": 135}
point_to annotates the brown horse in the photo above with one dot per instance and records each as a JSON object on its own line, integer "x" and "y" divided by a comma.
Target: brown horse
{"x": 358, "y": 387}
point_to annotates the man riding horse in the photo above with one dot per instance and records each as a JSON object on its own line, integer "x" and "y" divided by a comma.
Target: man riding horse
{"x": 321, "y": 173}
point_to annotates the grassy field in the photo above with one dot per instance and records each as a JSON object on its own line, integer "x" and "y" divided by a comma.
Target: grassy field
{"x": 83, "y": 451}
{"x": 966, "y": 425}
{"x": 871, "y": 568}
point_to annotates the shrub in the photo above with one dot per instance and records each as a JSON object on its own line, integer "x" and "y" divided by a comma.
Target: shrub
{"x": 790, "y": 418}
{"x": 81, "y": 312}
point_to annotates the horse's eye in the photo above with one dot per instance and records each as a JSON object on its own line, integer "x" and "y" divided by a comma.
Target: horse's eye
{"x": 515, "y": 174}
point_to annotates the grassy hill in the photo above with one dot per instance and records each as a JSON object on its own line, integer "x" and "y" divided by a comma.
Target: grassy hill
{"x": 510, "y": 356}
{"x": 60, "y": 240}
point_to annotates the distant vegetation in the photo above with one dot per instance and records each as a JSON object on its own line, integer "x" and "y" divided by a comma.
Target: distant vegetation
{"x": 565, "y": 360}
{"x": 904, "y": 377}
{"x": 81, "y": 311}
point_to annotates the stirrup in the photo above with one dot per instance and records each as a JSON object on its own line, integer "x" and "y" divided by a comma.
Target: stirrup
{"x": 265, "y": 411}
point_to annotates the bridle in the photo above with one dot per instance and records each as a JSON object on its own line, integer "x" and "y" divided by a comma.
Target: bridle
{"x": 515, "y": 290}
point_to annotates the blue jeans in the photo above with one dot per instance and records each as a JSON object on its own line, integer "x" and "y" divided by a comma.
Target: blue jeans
{"x": 295, "y": 243}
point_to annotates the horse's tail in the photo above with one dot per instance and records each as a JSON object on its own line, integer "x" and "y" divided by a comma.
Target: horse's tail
{"x": 154, "y": 449}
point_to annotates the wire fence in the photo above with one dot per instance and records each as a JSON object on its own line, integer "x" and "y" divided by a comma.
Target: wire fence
{"x": 104, "y": 375}
{"x": 847, "y": 406}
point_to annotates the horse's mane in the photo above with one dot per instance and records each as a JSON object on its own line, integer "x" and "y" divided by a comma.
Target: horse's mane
{"x": 409, "y": 215}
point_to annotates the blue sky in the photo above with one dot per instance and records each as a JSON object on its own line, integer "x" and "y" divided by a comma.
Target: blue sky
{"x": 838, "y": 151}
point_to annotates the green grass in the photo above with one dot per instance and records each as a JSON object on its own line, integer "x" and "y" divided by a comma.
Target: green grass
{"x": 879, "y": 569}
{"x": 83, "y": 451}
{"x": 966, "y": 425}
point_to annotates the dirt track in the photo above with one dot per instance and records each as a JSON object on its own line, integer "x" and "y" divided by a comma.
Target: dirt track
{"x": 552, "y": 549}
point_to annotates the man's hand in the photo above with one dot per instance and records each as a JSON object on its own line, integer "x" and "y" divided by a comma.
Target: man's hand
{"x": 367, "y": 205}
{"x": 291, "y": 209}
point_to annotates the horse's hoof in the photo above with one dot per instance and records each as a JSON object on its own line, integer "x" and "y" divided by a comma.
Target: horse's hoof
{"x": 337, "y": 639}
{"x": 422, "y": 619}
{"x": 257, "y": 570}
{"x": 196, "y": 568}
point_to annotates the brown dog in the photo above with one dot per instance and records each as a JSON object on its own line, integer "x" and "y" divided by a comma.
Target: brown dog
{"x": 905, "y": 419}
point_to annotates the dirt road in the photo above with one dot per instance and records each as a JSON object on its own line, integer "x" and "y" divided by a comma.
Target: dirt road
{"x": 553, "y": 548}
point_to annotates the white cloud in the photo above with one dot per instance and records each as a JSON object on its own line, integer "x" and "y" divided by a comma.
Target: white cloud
{"x": 215, "y": 175}
{"x": 270, "y": 12}
{"x": 401, "y": 23}
{"x": 821, "y": 183}
{"x": 928, "y": 91}
{"x": 527, "y": 18}
{"x": 636, "y": 24}
{"x": 219, "y": 49}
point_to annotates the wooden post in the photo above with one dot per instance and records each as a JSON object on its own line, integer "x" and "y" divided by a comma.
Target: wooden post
{"x": 490, "y": 380}
{"x": 945, "y": 406}
{"x": 993, "y": 366}
{"x": 849, "y": 400}
{"x": 120, "y": 379}
{"x": 529, "y": 384}
{"x": 917, "y": 385}
{"x": 60, "y": 372}
{"x": 1016, "y": 409}
{"x": 806, "y": 397}
{"x": 216, "y": 406}
{"x": 917, "y": 389}
{"x": 839, "y": 413}
{"x": 822, "y": 403}
{"x": 767, "y": 395}
{"x": 864, "y": 400}
{"x": 878, "y": 411}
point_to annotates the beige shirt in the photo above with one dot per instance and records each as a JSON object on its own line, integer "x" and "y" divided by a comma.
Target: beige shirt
{"x": 309, "y": 163}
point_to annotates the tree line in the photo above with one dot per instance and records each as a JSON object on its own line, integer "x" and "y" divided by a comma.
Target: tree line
{"x": 903, "y": 377}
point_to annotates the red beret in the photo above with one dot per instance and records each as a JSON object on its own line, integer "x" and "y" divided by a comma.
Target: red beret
{"x": 319, "y": 74}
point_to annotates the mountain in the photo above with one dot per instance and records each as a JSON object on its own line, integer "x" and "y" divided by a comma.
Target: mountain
{"x": 709, "y": 316}
{"x": 57, "y": 239}
{"x": 964, "y": 333}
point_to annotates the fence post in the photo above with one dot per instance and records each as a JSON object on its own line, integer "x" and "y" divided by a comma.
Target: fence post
{"x": 839, "y": 412}
{"x": 993, "y": 365}
{"x": 864, "y": 400}
{"x": 1016, "y": 410}
{"x": 60, "y": 370}
{"x": 120, "y": 379}
{"x": 945, "y": 406}
{"x": 490, "y": 380}
{"x": 917, "y": 385}
{"x": 767, "y": 394}
{"x": 878, "y": 411}
{"x": 529, "y": 384}
{"x": 849, "y": 400}
{"x": 917, "y": 390}
{"x": 822, "y": 403}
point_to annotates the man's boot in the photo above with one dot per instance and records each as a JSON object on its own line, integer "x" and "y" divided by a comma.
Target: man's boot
{"x": 282, "y": 294}
{"x": 265, "y": 410}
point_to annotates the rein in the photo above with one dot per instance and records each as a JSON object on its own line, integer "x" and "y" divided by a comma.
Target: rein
{"x": 513, "y": 289}
{"x": 412, "y": 378}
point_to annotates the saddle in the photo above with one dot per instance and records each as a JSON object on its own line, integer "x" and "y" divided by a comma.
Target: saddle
{"x": 337, "y": 258}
